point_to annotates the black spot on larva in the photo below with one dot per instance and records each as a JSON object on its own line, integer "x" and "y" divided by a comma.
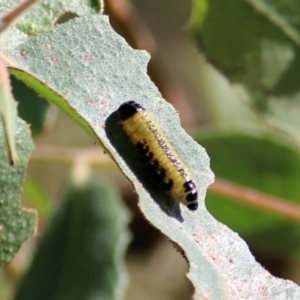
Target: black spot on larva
{"x": 129, "y": 109}
{"x": 154, "y": 159}
{"x": 167, "y": 185}
{"x": 189, "y": 186}
{"x": 192, "y": 196}
{"x": 153, "y": 128}
{"x": 161, "y": 173}
{"x": 142, "y": 149}
{"x": 177, "y": 165}
{"x": 170, "y": 155}
{"x": 139, "y": 145}
{"x": 160, "y": 140}
{"x": 182, "y": 172}
{"x": 193, "y": 206}
{"x": 148, "y": 157}
{"x": 153, "y": 165}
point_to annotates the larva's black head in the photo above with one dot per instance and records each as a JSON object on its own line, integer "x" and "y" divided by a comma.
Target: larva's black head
{"x": 128, "y": 109}
{"x": 193, "y": 206}
{"x": 192, "y": 195}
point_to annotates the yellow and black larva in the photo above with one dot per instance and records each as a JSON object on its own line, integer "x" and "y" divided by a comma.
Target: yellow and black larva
{"x": 157, "y": 153}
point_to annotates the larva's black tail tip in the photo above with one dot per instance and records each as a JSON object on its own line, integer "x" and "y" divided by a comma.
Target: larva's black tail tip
{"x": 193, "y": 206}
{"x": 128, "y": 109}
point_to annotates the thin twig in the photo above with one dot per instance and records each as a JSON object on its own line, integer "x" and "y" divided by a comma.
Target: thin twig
{"x": 246, "y": 195}
{"x": 8, "y": 111}
{"x": 69, "y": 155}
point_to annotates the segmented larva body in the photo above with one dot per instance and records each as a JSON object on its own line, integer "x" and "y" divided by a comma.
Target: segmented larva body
{"x": 157, "y": 153}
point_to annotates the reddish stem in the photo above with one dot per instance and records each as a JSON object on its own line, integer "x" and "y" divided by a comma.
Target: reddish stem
{"x": 11, "y": 16}
{"x": 247, "y": 195}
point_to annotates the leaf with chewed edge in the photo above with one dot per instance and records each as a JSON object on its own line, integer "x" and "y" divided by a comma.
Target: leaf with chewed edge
{"x": 88, "y": 71}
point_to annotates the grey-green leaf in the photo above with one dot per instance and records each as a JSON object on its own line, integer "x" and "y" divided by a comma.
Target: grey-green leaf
{"x": 88, "y": 71}
{"x": 16, "y": 224}
{"x": 41, "y": 18}
{"x": 81, "y": 256}
{"x": 36, "y": 20}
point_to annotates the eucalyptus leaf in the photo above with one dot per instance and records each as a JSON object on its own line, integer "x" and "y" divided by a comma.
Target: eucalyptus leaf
{"x": 88, "y": 71}
{"x": 38, "y": 198}
{"x": 256, "y": 45}
{"x": 41, "y": 18}
{"x": 38, "y": 19}
{"x": 256, "y": 48}
{"x": 81, "y": 254}
{"x": 16, "y": 224}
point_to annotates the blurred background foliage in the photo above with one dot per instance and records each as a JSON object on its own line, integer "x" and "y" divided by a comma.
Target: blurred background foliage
{"x": 250, "y": 133}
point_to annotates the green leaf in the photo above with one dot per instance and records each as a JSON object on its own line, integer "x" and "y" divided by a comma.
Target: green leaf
{"x": 16, "y": 224}
{"x": 256, "y": 44}
{"x": 27, "y": 99}
{"x": 38, "y": 198}
{"x": 255, "y": 48}
{"x": 88, "y": 71}
{"x": 267, "y": 165}
{"x": 81, "y": 254}
{"x": 41, "y": 18}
